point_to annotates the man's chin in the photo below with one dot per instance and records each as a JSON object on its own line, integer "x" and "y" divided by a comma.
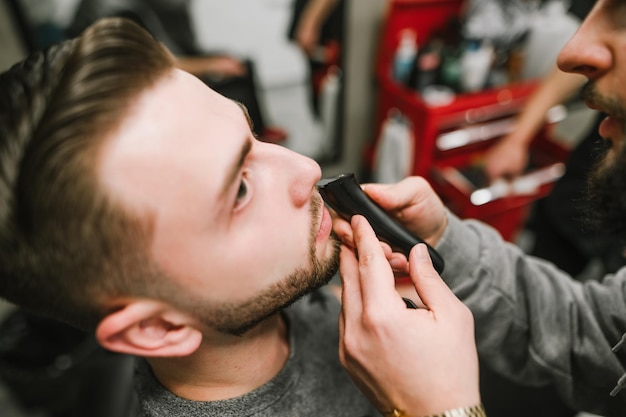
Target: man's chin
{"x": 237, "y": 320}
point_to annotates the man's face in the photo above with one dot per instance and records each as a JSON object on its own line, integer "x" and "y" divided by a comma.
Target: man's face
{"x": 598, "y": 51}
{"x": 237, "y": 222}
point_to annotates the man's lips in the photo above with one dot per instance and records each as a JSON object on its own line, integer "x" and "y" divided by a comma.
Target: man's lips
{"x": 325, "y": 223}
{"x": 591, "y": 105}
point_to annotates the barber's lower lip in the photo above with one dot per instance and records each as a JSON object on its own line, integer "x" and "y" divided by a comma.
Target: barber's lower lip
{"x": 611, "y": 128}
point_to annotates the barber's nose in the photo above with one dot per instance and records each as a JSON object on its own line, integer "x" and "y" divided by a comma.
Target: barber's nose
{"x": 587, "y": 52}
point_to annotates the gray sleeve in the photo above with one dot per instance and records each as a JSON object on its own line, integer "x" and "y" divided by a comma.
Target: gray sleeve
{"x": 534, "y": 323}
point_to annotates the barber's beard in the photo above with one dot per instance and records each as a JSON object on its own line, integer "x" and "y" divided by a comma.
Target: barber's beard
{"x": 607, "y": 181}
{"x": 237, "y": 318}
{"x": 607, "y": 194}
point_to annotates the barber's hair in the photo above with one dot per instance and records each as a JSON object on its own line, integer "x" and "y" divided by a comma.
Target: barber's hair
{"x": 66, "y": 247}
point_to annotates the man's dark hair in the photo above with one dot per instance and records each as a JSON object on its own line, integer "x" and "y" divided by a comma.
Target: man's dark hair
{"x": 67, "y": 248}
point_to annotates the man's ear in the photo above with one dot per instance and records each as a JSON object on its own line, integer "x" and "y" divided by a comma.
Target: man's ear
{"x": 150, "y": 329}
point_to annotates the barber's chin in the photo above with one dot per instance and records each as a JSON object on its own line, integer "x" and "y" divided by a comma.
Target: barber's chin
{"x": 613, "y": 155}
{"x": 613, "y": 145}
{"x": 608, "y": 159}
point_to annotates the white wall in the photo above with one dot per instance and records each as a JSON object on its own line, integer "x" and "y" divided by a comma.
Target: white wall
{"x": 255, "y": 29}
{"x": 364, "y": 18}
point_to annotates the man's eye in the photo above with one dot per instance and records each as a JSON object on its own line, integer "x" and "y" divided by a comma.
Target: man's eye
{"x": 242, "y": 192}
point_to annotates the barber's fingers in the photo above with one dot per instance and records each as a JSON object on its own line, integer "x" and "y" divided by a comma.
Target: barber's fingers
{"x": 365, "y": 272}
{"x": 375, "y": 273}
{"x": 395, "y": 197}
{"x": 351, "y": 303}
{"x": 413, "y": 203}
{"x": 367, "y": 278}
{"x": 351, "y": 297}
{"x": 343, "y": 230}
{"x": 433, "y": 291}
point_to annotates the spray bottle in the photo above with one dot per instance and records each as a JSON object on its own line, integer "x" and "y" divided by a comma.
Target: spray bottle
{"x": 405, "y": 55}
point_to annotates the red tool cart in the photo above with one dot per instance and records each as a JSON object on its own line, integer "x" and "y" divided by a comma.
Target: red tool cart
{"x": 448, "y": 138}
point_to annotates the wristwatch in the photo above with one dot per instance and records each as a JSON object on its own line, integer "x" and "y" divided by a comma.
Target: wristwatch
{"x": 473, "y": 411}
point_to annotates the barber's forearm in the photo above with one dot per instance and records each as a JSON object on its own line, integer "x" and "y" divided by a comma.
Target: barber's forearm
{"x": 523, "y": 304}
{"x": 460, "y": 241}
{"x": 556, "y": 88}
{"x": 317, "y": 11}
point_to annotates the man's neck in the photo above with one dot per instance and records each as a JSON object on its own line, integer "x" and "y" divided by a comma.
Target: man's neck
{"x": 227, "y": 366}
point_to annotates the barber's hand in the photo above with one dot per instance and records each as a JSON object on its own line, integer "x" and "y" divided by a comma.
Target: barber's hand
{"x": 307, "y": 37}
{"x": 226, "y": 66}
{"x": 413, "y": 203}
{"x": 506, "y": 159}
{"x": 214, "y": 65}
{"x": 420, "y": 361}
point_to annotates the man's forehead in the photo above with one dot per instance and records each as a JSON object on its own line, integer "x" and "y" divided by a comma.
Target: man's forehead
{"x": 172, "y": 128}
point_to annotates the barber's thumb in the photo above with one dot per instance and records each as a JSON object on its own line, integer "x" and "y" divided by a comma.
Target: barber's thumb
{"x": 432, "y": 290}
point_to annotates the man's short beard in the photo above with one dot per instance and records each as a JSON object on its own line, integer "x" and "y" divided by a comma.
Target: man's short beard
{"x": 236, "y": 320}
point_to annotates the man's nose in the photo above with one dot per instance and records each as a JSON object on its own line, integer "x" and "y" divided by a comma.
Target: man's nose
{"x": 299, "y": 172}
{"x": 304, "y": 182}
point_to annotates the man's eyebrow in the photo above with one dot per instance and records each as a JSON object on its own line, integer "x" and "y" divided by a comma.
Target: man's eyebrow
{"x": 244, "y": 110}
{"x": 235, "y": 167}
